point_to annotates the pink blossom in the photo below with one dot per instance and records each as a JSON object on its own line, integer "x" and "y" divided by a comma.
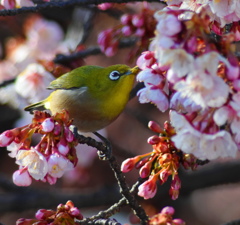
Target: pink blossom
{"x": 34, "y": 161}
{"x": 8, "y": 4}
{"x": 58, "y": 165}
{"x": 22, "y": 178}
{"x": 13, "y": 148}
{"x": 222, "y": 115}
{"x": 168, "y": 24}
{"x": 181, "y": 63}
{"x": 201, "y": 145}
{"x": 202, "y": 85}
{"x": 44, "y": 37}
{"x": 32, "y": 82}
{"x": 154, "y": 95}
{"x": 47, "y": 125}
{"x": 146, "y": 60}
{"x": 183, "y": 104}
{"x": 150, "y": 77}
{"x": 148, "y": 189}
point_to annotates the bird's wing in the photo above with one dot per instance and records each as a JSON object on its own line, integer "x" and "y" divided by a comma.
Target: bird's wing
{"x": 65, "y": 81}
{"x": 74, "y": 79}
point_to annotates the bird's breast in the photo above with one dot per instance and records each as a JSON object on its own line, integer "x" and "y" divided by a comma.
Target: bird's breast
{"x": 88, "y": 113}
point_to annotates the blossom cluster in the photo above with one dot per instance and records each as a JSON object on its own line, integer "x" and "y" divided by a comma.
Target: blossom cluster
{"x": 161, "y": 163}
{"x": 140, "y": 25}
{"x": 65, "y": 214}
{"x": 165, "y": 217}
{"x": 51, "y": 157}
{"x": 187, "y": 71}
{"x": 220, "y": 13}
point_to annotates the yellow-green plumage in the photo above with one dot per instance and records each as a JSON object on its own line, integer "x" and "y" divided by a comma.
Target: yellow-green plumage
{"x": 90, "y": 96}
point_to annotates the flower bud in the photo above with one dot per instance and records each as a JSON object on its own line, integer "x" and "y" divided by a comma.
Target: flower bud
{"x": 168, "y": 210}
{"x": 178, "y": 222}
{"x": 63, "y": 147}
{"x": 127, "y": 31}
{"x": 148, "y": 189}
{"x": 125, "y": 19}
{"x": 22, "y": 178}
{"x": 68, "y": 134}
{"x": 153, "y": 140}
{"x": 128, "y": 165}
{"x": 145, "y": 171}
{"x": 155, "y": 127}
{"x": 137, "y": 20}
{"x": 47, "y": 125}
{"x": 6, "y": 138}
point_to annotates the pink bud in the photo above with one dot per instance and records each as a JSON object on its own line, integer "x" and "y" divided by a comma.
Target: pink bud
{"x": 233, "y": 69}
{"x": 168, "y": 210}
{"x": 128, "y": 165}
{"x": 137, "y": 20}
{"x": 40, "y": 214}
{"x": 63, "y": 147}
{"x": 144, "y": 171}
{"x": 22, "y": 178}
{"x": 74, "y": 211}
{"x": 178, "y": 222}
{"x": 104, "y": 37}
{"x": 6, "y": 138}
{"x": 43, "y": 214}
{"x": 57, "y": 129}
{"x": 51, "y": 180}
{"x": 140, "y": 32}
{"x": 125, "y": 19}
{"x": 47, "y": 125}
{"x": 164, "y": 174}
{"x": 155, "y": 127}
{"x": 105, "y": 6}
{"x": 127, "y": 31}
{"x": 153, "y": 140}
{"x": 148, "y": 189}
{"x": 112, "y": 49}
{"x": 176, "y": 183}
{"x": 68, "y": 134}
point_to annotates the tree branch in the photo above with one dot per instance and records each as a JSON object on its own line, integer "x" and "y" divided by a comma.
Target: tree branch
{"x": 60, "y": 4}
{"x": 93, "y": 50}
{"x": 131, "y": 200}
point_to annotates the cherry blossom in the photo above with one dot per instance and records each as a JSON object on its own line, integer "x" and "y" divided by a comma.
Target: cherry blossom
{"x": 34, "y": 161}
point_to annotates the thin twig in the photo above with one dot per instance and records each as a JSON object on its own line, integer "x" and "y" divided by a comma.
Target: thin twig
{"x": 111, "y": 210}
{"x": 7, "y": 82}
{"x": 61, "y": 4}
{"x": 93, "y": 50}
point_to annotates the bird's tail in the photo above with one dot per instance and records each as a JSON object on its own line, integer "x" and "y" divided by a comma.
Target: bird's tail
{"x": 36, "y": 106}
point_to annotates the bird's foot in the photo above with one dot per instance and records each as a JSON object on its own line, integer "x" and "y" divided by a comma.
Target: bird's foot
{"x": 107, "y": 153}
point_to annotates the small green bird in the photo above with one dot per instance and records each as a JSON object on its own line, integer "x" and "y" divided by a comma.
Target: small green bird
{"x": 94, "y": 96}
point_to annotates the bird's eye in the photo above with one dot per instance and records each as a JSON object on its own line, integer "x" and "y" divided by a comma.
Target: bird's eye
{"x": 114, "y": 75}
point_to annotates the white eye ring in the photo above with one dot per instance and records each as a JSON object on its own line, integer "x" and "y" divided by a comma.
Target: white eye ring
{"x": 114, "y": 75}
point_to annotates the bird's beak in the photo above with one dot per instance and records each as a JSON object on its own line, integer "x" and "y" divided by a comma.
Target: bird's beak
{"x": 135, "y": 70}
